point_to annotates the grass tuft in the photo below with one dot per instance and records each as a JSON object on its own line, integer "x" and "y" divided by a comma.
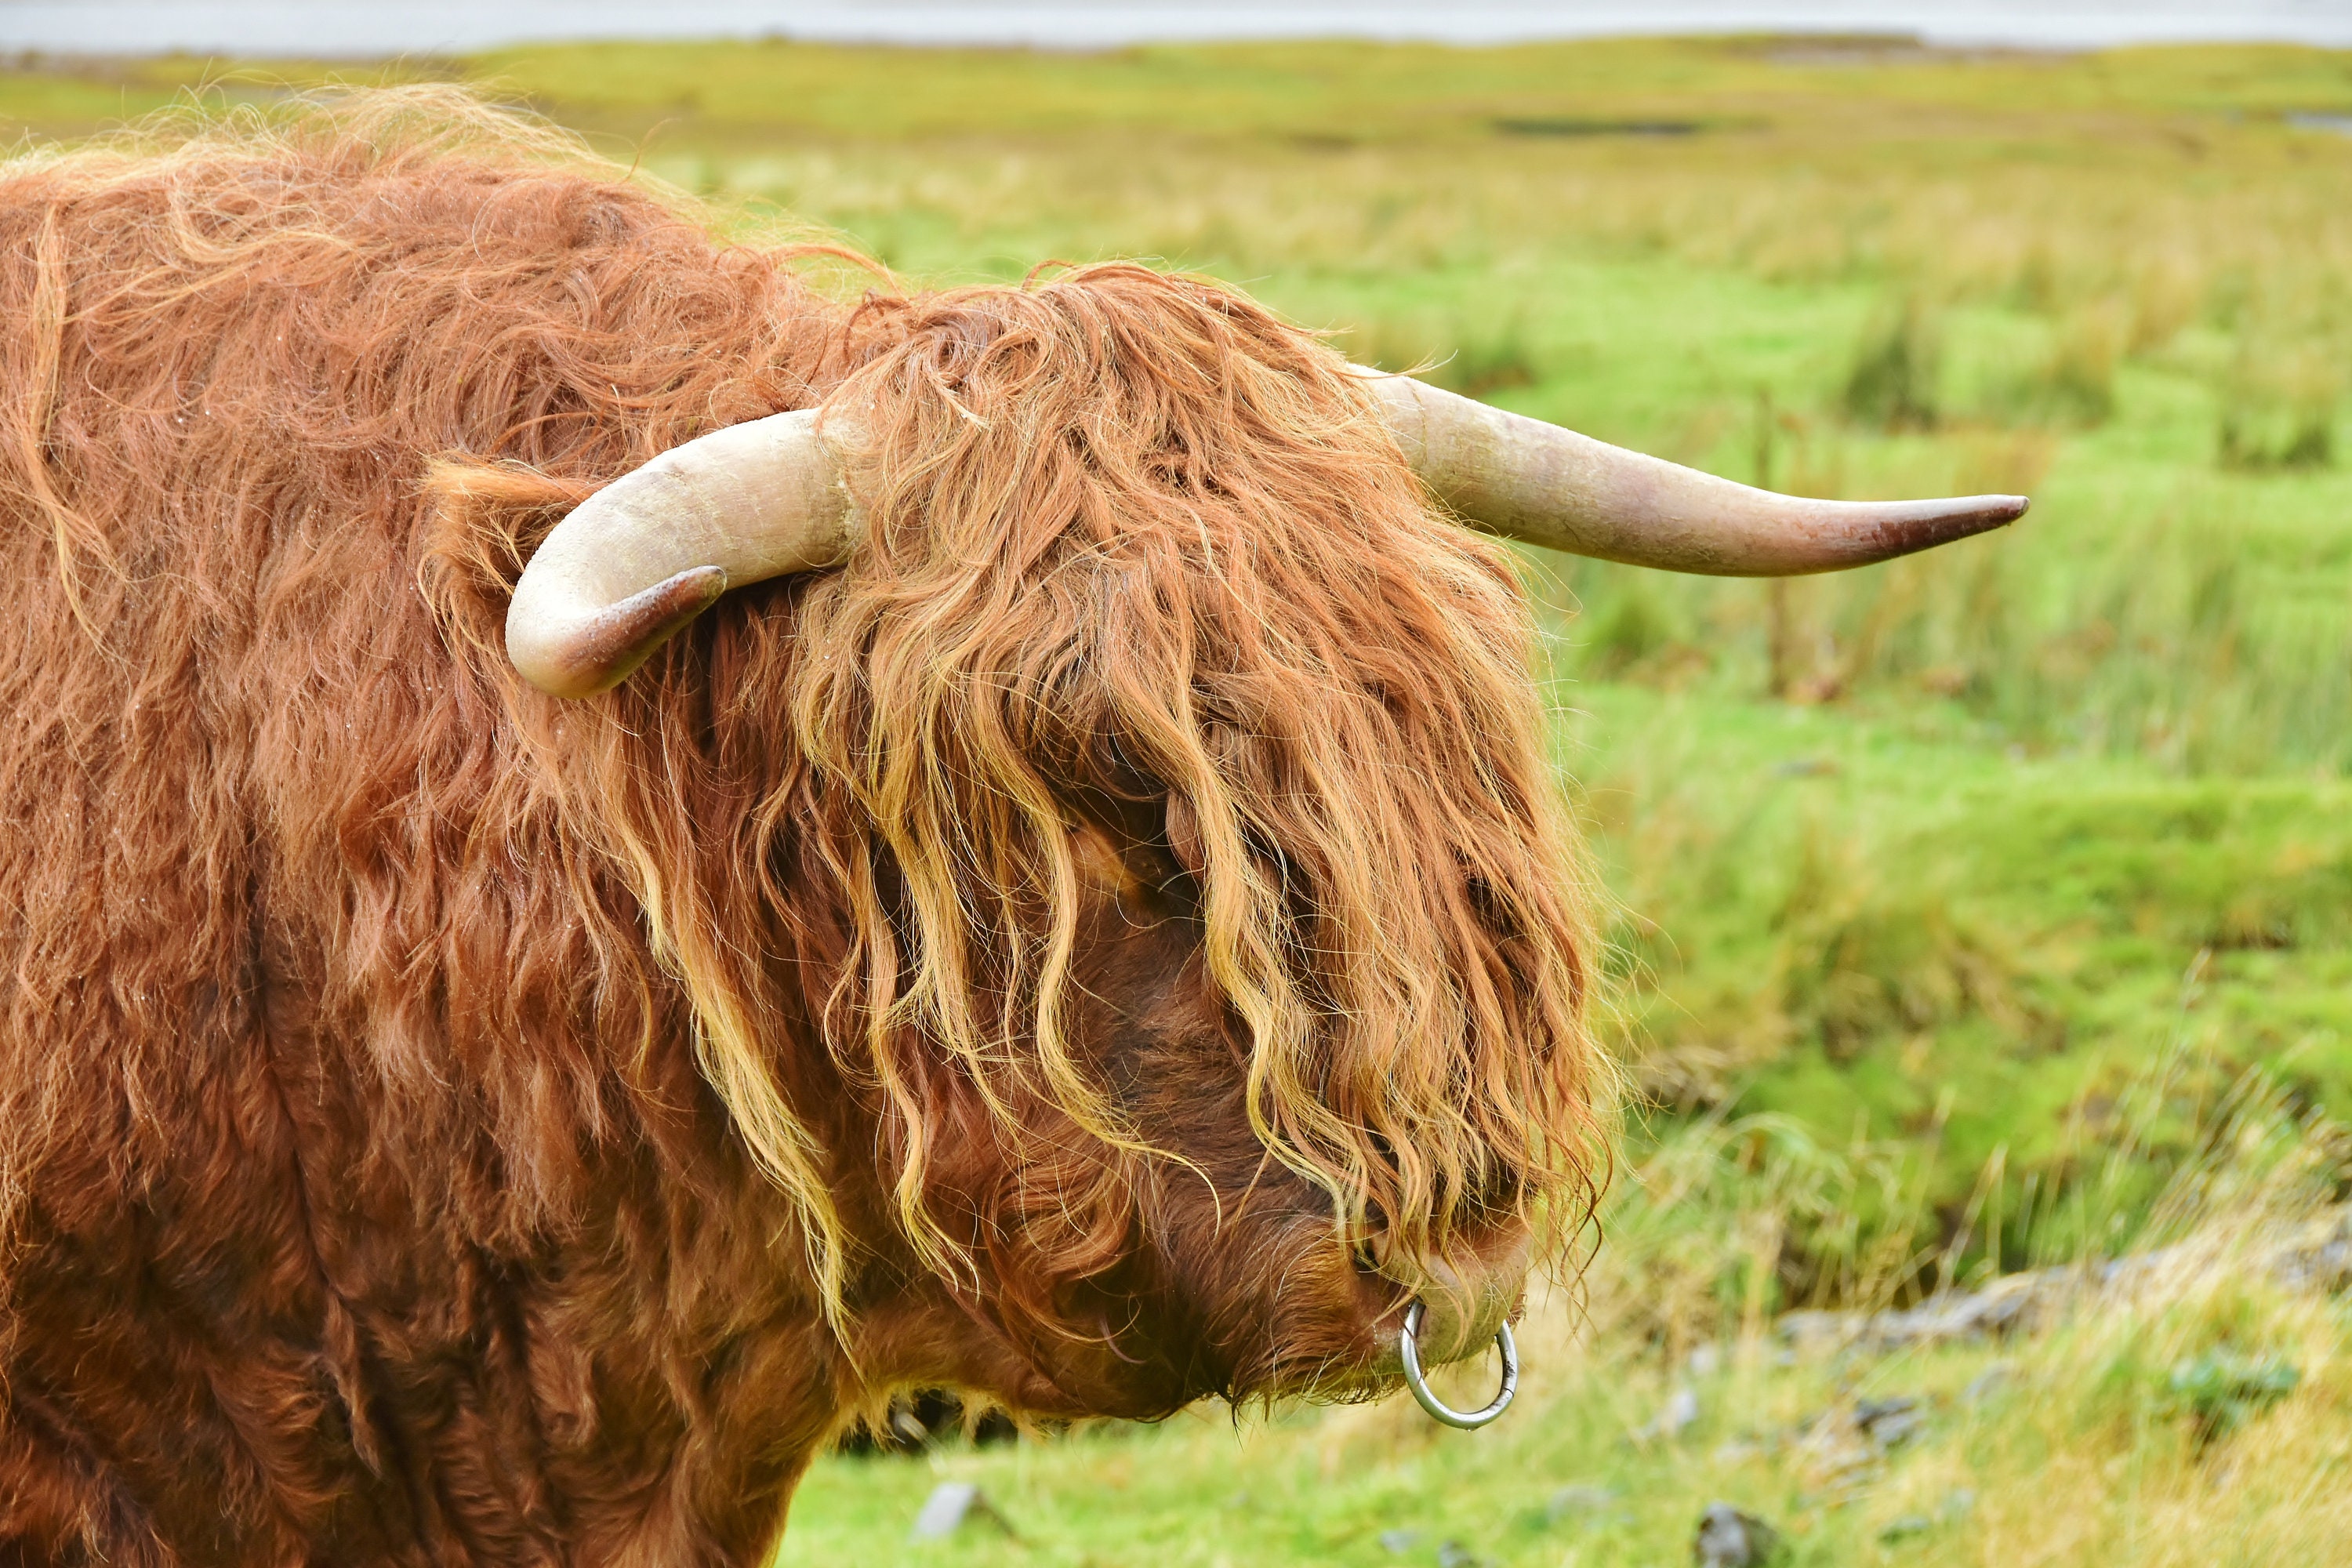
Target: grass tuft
{"x": 2278, "y": 409}
{"x": 1893, "y": 384}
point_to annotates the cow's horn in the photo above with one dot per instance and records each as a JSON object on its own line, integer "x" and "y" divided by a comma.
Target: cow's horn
{"x": 1528, "y": 480}
{"x": 648, "y": 553}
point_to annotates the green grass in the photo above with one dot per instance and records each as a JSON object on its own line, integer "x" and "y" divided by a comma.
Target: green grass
{"x": 2204, "y": 1417}
{"x": 1565, "y": 1485}
{"x": 1948, "y": 900}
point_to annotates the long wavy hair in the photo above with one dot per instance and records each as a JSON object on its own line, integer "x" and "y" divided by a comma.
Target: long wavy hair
{"x": 1132, "y": 539}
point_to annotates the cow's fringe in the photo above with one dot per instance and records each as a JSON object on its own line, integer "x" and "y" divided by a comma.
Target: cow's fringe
{"x": 1133, "y": 537}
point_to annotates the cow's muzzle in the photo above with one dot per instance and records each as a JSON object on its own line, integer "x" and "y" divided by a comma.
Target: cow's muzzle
{"x": 1409, "y": 1350}
{"x": 1460, "y": 1307}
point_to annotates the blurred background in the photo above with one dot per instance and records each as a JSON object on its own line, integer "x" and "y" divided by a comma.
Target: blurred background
{"x": 1982, "y": 914}
{"x": 411, "y": 27}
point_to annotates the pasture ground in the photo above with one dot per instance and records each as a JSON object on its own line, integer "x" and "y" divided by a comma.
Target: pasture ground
{"x": 1989, "y": 910}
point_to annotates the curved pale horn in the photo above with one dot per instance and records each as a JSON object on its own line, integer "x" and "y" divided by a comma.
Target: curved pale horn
{"x": 644, "y": 555}
{"x": 1538, "y": 483}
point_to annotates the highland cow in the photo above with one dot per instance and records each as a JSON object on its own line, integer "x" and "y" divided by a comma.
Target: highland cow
{"x": 611, "y": 856}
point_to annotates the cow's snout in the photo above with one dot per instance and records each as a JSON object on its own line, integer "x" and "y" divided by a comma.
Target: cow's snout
{"x": 1466, "y": 1296}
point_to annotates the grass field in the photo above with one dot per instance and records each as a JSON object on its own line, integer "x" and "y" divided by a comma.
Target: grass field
{"x": 1953, "y": 902}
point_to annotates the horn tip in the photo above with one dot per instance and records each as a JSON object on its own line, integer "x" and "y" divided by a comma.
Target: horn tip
{"x": 1974, "y": 514}
{"x": 1943, "y": 522}
{"x": 615, "y": 641}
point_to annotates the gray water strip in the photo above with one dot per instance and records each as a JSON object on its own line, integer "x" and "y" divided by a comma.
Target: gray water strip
{"x": 340, "y": 28}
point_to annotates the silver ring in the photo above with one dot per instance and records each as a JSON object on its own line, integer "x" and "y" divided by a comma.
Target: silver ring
{"x": 1438, "y": 1409}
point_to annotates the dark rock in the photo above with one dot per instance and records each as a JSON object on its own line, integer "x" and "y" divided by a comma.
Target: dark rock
{"x": 1888, "y": 1423}
{"x": 1730, "y": 1539}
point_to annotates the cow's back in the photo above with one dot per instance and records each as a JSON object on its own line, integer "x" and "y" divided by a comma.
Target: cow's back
{"x": 286, "y": 1133}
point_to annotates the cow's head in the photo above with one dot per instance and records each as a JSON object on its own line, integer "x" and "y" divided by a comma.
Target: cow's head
{"x": 1177, "y": 872}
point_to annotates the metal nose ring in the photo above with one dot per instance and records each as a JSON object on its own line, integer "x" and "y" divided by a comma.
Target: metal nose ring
{"x": 1408, "y": 1347}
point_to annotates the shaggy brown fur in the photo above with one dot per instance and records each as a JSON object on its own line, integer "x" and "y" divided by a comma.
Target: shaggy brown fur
{"x": 440, "y": 1124}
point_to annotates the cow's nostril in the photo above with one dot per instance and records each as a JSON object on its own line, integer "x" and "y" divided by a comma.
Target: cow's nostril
{"x": 1409, "y": 1352}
